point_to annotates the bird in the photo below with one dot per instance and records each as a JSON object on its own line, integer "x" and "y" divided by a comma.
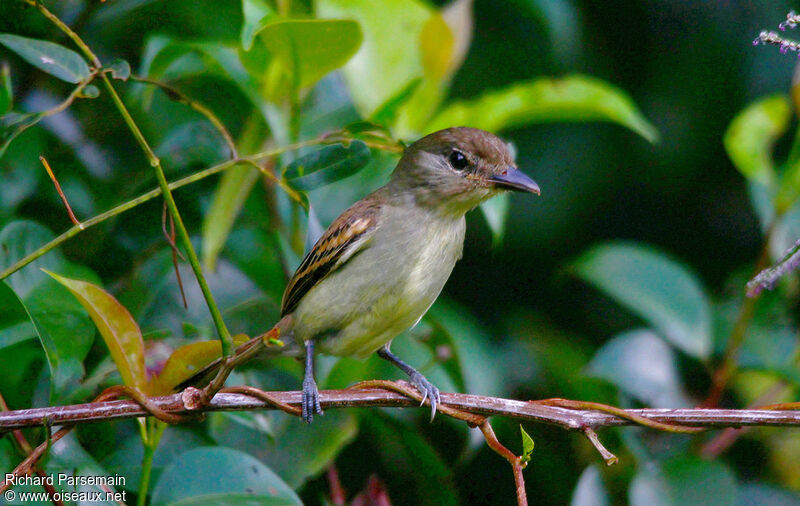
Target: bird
{"x": 378, "y": 268}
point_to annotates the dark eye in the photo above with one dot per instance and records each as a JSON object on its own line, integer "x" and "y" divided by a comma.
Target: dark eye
{"x": 458, "y": 160}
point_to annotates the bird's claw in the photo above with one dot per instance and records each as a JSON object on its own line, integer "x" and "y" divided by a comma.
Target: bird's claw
{"x": 310, "y": 401}
{"x": 428, "y": 391}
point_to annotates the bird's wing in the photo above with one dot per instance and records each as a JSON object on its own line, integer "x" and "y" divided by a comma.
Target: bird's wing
{"x": 346, "y": 236}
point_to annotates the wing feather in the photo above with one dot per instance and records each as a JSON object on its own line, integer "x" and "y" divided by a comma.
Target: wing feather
{"x": 347, "y": 235}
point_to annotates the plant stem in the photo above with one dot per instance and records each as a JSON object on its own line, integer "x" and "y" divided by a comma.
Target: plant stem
{"x": 194, "y": 261}
{"x": 141, "y": 199}
{"x": 155, "y": 432}
{"x": 216, "y": 315}
{"x": 726, "y": 369}
{"x": 176, "y": 94}
{"x": 67, "y": 30}
{"x": 126, "y": 206}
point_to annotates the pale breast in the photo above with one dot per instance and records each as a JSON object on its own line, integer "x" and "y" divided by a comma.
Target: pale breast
{"x": 384, "y": 290}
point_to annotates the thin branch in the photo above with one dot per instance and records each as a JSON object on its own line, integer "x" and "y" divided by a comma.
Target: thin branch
{"x": 176, "y": 94}
{"x": 141, "y": 199}
{"x": 68, "y": 31}
{"x": 609, "y": 457}
{"x": 74, "y": 94}
{"x": 515, "y": 461}
{"x": 27, "y": 449}
{"x": 727, "y": 367}
{"x": 61, "y": 194}
{"x": 727, "y": 437}
{"x": 100, "y": 218}
{"x": 473, "y": 409}
{"x": 170, "y": 236}
{"x": 572, "y": 419}
{"x": 225, "y": 338}
{"x": 216, "y": 315}
{"x": 270, "y": 174}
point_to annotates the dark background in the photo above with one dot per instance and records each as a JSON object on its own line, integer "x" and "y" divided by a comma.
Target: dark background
{"x": 689, "y": 67}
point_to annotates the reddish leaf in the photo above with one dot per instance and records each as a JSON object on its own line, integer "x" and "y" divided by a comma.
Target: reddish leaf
{"x": 116, "y": 325}
{"x": 186, "y": 361}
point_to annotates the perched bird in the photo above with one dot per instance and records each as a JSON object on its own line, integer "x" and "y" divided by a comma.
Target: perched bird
{"x": 381, "y": 264}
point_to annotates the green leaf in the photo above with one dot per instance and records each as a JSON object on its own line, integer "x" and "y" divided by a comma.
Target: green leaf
{"x": 116, "y": 325}
{"x": 387, "y": 112}
{"x": 56, "y": 60}
{"x": 572, "y": 98}
{"x": 257, "y": 13}
{"x": 233, "y": 189}
{"x": 310, "y": 48}
{"x": 389, "y": 58}
{"x": 65, "y": 332}
{"x": 751, "y": 134}
{"x": 70, "y": 458}
{"x": 684, "y": 481}
{"x": 192, "y": 143}
{"x": 234, "y": 499}
{"x": 527, "y": 446}
{"x": 13, "y": 124}
{"x": 327, "y": 165}
{"x": 219, "y": 473}
{"x": 590, "y": 490}
{"x": 17, "y": 240}
{"x": 120, "y": 69}
{"x": 411, "y": 458}
{"x": 321, "y": 443}
{"x": 15, "y": 325}
{"x": 166, "y": 58}
{"x": 761, "y": 493}
{"x": 126, "y": 456}
{"x": 90, "y": 91}
{"x": 495, "y": 210}
{"x": 655, "y": 287}
{"x": 472, "y": 364}
{"x": 6, "y": 91}
{"x": 444, "y": 42}
{"x": 255, "y": 252}
{"x": 642, "y": 365}
{"x": 153, "y": 297}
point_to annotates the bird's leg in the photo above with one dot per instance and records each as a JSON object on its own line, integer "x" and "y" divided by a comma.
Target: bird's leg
{"x": 310, "y": 391}
{"x": 425, "y": 387}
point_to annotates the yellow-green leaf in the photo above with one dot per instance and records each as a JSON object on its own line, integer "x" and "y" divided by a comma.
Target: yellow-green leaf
{"x": 256, "y": 13}
{"x": 527, "y": 446}
{"x": 310, "y": 48}
{"x": 186, "y": 361}
{"x": 229, "y": 197}
{"x": 751, "y": 134}
{"x": 572, "y": 98}
{"x": 437, "y": 44}
{"x": 389, "y": 58}
{"x": 6, "y": 93}
{"x": 116, "y": 325}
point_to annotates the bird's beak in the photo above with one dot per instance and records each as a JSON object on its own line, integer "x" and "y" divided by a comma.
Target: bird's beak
{"x": 515, "y": 179}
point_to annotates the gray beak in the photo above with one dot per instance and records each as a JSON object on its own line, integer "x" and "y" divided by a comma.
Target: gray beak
{"x": 516, "y": 180}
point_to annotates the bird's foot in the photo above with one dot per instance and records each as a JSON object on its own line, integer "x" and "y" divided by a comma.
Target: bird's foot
{"x": 310, "y": 400}
{"x": 427, "y": 389}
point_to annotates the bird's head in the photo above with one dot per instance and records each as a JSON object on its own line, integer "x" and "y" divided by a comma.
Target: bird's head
{"x": 456, "y": 169}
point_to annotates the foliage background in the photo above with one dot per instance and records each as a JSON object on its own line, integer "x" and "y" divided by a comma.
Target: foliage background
{"x": 514, "y": 313}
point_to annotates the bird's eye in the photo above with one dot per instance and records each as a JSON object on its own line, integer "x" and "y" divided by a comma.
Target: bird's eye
{"x": 458, "y": 160}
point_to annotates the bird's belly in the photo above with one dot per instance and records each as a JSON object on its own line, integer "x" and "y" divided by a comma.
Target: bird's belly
{"x": 377, "y": 295}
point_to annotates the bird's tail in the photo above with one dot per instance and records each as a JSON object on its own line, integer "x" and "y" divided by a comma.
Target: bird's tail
{"x": 269, "y": 343}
